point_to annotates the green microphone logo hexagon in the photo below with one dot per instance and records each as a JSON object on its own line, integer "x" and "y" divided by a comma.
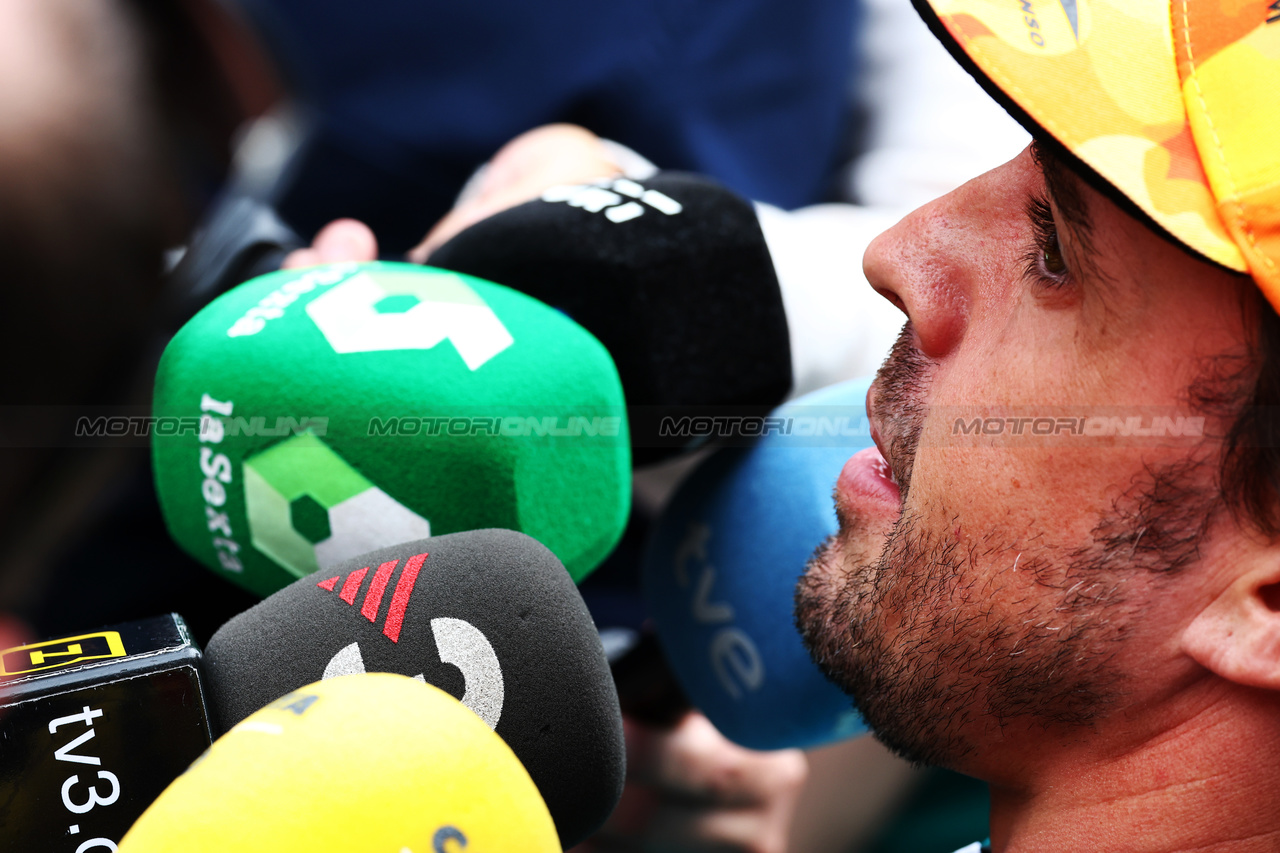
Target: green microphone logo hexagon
{"x": 349, "y": 407}
{"x": 308, "y": 509}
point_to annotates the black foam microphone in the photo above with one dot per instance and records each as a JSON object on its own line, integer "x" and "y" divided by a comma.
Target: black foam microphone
{"x": 671, "y": 273}
{"x": 490, "y": 616}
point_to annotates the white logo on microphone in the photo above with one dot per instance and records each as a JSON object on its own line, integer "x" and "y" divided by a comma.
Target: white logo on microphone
{"x": 607, "y": 196}
{"x": 734, "y": 657}
{"x": 459, "y": 643}
{"x": 351, "y": 514}
{"x": 385, "y": 309}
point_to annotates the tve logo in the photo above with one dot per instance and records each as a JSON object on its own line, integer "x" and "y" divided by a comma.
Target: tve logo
{"x": 380, "y": 309}
{"x": 458, "y": 641}
{"x": 734, "y": 657}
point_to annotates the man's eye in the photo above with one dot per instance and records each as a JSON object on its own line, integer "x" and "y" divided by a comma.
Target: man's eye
{"x": 1051, "y": 258}
{"x": 1045, "y": 261}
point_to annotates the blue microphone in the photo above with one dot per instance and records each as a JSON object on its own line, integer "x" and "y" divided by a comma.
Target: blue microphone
{"x": 720, "y": 571}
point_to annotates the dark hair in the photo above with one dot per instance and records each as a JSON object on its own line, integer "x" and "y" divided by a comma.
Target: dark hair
{"x": 1250, "y": 469}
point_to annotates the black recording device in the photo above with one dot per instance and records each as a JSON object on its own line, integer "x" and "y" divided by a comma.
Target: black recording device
{"x": 92, "y": 728}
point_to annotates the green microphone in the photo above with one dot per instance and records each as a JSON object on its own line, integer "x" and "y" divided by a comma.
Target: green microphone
{"x": 308, "y": 416}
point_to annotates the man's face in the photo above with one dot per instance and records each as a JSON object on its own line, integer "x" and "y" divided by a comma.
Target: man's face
{"x": 1016, "y": 583}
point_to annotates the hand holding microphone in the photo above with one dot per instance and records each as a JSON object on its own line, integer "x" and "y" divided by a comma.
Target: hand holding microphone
{"x": 341, "y": 241}
{"x": 536, "y": 159}
{"x": 688, "y": 788}
{"x": 546, "y": 156}
{"x": 671, "y": 273}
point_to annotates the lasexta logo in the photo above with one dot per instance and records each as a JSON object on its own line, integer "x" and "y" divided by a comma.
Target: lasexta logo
{"x": 309, "y": 509}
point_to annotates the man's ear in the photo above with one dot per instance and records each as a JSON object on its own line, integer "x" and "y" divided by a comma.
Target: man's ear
{"x": 1237, "y": 635}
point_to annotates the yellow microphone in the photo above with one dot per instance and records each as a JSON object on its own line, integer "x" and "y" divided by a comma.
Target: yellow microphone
{"x": 370, "y": 763}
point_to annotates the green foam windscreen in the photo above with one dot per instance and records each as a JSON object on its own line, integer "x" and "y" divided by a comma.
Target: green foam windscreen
{"x": 308, "y": 416}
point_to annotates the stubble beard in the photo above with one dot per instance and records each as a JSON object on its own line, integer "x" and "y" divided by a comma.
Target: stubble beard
{"x": 935, "y": 657}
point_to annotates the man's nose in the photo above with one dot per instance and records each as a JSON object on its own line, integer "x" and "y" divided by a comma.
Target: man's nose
{"x": 913, "y": 265}
{"x": 941, "y": 260}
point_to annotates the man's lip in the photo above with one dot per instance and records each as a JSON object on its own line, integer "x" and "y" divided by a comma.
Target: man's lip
{"x": 871, "y": 420}
{"x": 865, "y": 478}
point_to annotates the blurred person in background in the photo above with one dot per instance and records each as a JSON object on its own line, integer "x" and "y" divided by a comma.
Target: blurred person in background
{"x": 407, "y": 99}
{"x": 116, "y": 122}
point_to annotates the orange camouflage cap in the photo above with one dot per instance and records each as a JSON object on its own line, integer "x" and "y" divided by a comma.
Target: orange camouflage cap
{"x": 1174, "y": 103}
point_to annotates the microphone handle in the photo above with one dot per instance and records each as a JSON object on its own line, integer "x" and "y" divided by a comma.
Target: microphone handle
{"x": 648, "y": 690}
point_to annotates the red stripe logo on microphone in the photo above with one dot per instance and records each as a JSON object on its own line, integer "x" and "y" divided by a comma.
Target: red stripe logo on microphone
{"x": 377, "y": 588}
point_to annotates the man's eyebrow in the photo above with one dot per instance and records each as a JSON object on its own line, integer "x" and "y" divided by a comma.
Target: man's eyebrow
{"x": 1064, "y": 188}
